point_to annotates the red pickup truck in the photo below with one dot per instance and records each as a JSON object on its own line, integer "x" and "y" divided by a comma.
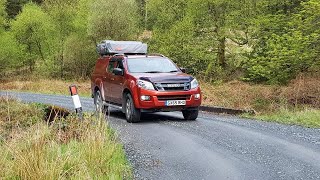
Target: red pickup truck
{"x": 127, "y": 78}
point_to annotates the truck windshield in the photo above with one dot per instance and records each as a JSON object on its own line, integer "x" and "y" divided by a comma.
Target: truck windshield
{"x": 151, "y": 65}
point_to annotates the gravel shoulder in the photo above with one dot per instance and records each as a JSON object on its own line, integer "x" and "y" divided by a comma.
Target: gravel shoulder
{"x": 164, "y": 146}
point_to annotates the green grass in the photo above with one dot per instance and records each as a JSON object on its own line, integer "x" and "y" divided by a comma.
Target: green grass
{"x": 307, "y": 117}
{"x": 32, "y": 148}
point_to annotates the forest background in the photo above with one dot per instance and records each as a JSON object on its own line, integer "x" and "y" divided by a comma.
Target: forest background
{"x": 251, "y": 40}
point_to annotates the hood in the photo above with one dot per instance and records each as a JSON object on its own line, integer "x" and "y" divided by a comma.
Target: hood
{"x": 164, "y": 77}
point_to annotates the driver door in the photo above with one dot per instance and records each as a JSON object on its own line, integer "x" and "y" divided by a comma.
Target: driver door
{"x": 117, "y": 84}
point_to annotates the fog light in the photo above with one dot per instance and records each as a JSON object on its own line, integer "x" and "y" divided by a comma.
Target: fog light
{"x": 197, "y": 96}
{"x": 145, "y": 98}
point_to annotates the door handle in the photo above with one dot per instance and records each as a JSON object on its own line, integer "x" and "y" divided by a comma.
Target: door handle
{"x": 112, "y": 79}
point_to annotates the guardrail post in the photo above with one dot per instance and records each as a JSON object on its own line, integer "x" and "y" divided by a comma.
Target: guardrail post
{"x": 76, "y": 100}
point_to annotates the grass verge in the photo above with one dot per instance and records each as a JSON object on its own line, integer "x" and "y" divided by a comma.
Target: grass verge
{"x": 264, "y": 99}
{"x": 307, "y": 117}
{"x": 47, "y": 86}
{"x": 32, "y": 148}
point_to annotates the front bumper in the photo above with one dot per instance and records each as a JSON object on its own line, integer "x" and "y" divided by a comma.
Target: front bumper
{"x": 158, "y": 99}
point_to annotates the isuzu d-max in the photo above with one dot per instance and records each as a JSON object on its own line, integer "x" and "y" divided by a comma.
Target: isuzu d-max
{"x": 128, "y": 78}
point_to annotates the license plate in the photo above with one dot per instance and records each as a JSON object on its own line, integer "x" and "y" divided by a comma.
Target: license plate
{"x": 175, "y": 103}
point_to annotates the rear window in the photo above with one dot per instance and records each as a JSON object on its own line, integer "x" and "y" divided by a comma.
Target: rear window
{"x": 151, "y": 65}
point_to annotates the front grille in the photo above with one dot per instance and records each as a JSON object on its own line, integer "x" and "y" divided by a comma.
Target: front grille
{"x": 176, "y": 97}
{"x": 172, "y": 86}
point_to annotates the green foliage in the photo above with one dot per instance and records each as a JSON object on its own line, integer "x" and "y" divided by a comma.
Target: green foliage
{"x": 286, "y": 44}
{"x": 82, "y": 13}
{"x": 197, "y": 34}
{"x": 58, "y": 38}
{"x": 307, "y": 117}
{"x": 253, "y": 40}
{"x": 34, "y": 29}
{"x": 111, "y": 19}
{"x": 267, "y": 41}
{"x": 80, "y": 56}
{"x": 14, "y": 7}
{"x": 309, "y": 23}
{"x": 10, "y": 53}
{"x": 163, "y": 14}
{"x": 141, "y": 4}
{"x": 3, "y": 15}
{"x": 62, "y": 13}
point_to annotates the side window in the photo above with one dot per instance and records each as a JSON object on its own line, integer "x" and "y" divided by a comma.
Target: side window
{"x": 120, "y": 65}
{"x": 110, "y": 66}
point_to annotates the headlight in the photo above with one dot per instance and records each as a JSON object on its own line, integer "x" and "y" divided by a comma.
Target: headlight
{"x": 145, "y": 85}
{"x": 194, "y": 84}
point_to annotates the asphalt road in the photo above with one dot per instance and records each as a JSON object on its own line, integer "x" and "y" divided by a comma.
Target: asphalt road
{"x": 164, "y": 146}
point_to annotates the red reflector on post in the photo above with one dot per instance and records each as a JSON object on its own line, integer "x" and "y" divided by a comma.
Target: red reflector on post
{"x": 73, "y": 90}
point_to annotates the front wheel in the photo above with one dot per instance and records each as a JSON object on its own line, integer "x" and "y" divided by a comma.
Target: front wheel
{"x": 190, "y": 114}
{"x": 132, "y": 114}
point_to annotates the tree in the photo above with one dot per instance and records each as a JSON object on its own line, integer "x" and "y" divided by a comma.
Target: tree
{"x": 80, "y": 56}
{"x": 287, "y": 41}
{"x": 210, "y": 19}
{"x": 309, "y": 23}
{"x": 10, "y": 53}
{"x": 111, "y": 19}
{"x": 142, "y": 12}
{"x": 179, "y": 44}
{"x": 62, "y": 13}
{"x": 34, "y": 29}
{"x": 80, "y": 47}
{"x": 163, "y": 14}
{"x": 3, "y": 15}
{"x": 217, "y": 32}
{"x": 14, "y": 7}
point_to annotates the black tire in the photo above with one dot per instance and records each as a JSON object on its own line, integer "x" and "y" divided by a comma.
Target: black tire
{"x": 190, "y": 114}
{"x": 98, "y": 102}
{"x": 132, "y": 113}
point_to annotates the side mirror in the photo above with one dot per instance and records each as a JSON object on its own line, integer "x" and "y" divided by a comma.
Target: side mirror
{"x": 184, "y": 70}
{"x": 118, "y": 71}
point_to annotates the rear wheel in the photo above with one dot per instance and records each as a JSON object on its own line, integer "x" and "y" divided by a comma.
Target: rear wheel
{"x": 98, "y": 102}
{"x": 132, "y": 113}
{"x": 190, "y": 114}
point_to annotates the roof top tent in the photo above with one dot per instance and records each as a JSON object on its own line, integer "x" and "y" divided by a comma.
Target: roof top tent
{"x": 109, "y": 47}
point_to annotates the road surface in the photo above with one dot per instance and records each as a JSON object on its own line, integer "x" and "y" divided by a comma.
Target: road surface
{"x": 164, "y": 146}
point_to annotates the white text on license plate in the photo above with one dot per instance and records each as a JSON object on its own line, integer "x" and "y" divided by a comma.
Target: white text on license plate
{"x": 175, "y": 103}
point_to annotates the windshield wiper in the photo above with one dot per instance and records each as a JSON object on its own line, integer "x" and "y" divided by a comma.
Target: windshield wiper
{"x": 173, "y": 71}
{"x": 153, "y": 72}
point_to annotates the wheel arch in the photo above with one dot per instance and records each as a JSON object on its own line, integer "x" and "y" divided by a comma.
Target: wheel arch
{"x": 96, "y": 88}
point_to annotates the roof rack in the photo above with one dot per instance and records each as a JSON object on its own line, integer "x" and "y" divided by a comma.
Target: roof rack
{"x": 118, "y": 55}
{"x": 155, "y": 54}
{"x": 109, "y": 47}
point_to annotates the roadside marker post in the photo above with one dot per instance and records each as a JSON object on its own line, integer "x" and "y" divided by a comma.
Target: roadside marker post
{"x": 76, "y": 100}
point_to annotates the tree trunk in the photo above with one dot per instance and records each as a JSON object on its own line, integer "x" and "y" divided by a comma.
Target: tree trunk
{"x": 30, "y": 60}
{"x": 62, "y": 63}
{"x": 222, "y": 52}
{"x": 40, "y": 49}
